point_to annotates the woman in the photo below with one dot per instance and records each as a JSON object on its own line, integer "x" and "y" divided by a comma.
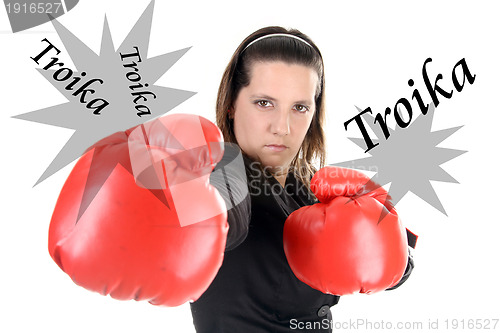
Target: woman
{"x": 271, "y": 104}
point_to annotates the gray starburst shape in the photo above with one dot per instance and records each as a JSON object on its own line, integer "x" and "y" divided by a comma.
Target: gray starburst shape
{"x": 409, "y": 159}
{"x": 107, "y": 93}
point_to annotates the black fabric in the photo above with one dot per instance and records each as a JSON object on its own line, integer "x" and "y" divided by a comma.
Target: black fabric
{"x": 255, "y": 290}
{"x": 230, "y": 179}
{"x": 412, "y": 239}
{"x": 409, "y": 268}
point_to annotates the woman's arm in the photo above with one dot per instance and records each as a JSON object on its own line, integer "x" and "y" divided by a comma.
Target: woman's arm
{"x": 406, "y": 275}
{"x": 412, "y": 242}
{"x": 229, "y": 177}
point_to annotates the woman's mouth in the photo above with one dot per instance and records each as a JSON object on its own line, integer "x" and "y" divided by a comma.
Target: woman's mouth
{"x": 276, "y": 148}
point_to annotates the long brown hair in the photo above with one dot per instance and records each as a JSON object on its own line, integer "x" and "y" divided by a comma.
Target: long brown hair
{"x": 278, "y": 48}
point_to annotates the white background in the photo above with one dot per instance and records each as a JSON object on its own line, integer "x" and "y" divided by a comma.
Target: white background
{"x": 370, "y": 50}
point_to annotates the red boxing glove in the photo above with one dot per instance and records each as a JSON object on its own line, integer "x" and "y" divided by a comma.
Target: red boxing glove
{"x": 340, "y": 246}
{"x": 137, "y": 217}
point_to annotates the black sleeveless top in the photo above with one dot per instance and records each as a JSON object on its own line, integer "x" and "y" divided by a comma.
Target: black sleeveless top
{"x": 255, "y": 290}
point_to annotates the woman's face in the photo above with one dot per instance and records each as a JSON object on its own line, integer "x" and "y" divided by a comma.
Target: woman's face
{"x": 273, "y": 113}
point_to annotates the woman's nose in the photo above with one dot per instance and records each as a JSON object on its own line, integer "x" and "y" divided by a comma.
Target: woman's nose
{"x": 281, "y": 123}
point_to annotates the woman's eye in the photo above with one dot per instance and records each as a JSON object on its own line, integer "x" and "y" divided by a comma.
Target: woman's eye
{"x": 263, "y": 103}
{"x": 301, "y": 108}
